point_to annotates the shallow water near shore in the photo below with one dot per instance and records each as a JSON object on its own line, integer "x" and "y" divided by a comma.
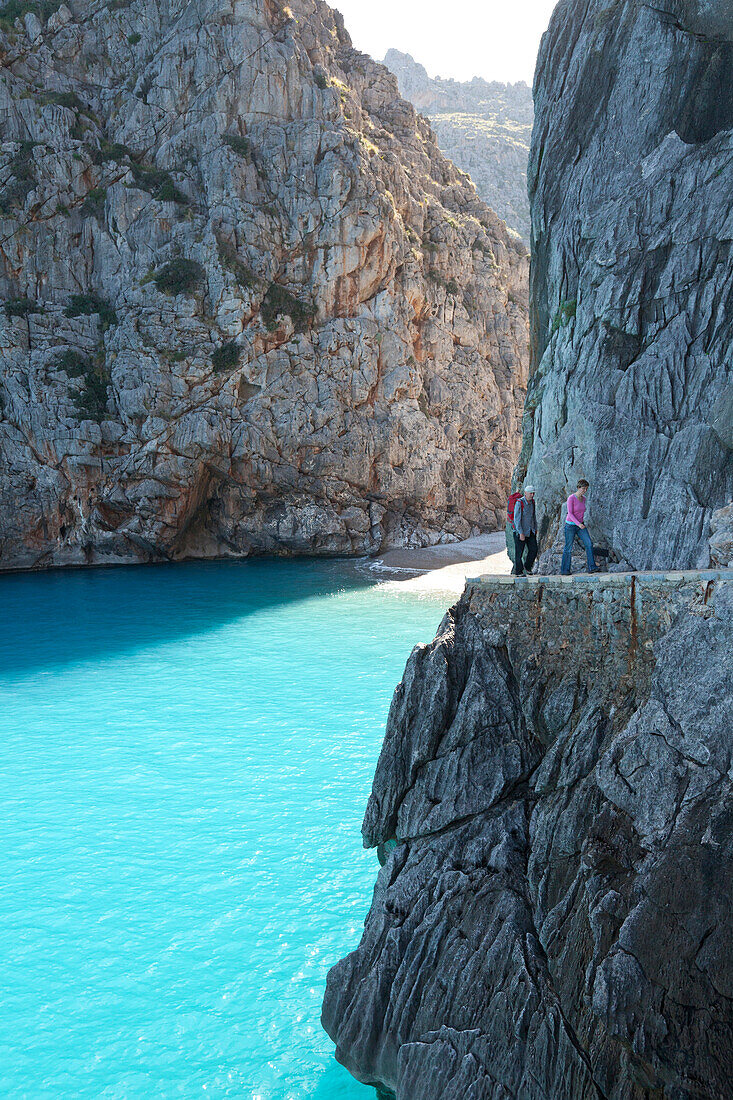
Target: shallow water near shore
{"x": 185, "y": 757}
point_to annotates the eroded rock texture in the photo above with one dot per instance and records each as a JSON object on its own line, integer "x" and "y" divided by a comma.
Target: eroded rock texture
{"x": 632, "y": 223}
{"x": 555, "y": 802}
{"x": 484, "y": 126}
{"x": 246, "y": 303}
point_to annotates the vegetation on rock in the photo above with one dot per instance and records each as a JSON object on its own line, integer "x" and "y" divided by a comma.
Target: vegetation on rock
{"x": 86, "y": 305}
{"x": 278, "y": 301}
{"x": 227, "y": 356}
{"x": 180, "y": 276}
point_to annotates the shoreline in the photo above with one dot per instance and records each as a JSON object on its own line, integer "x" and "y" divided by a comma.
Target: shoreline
{"x": 443, "y": 569}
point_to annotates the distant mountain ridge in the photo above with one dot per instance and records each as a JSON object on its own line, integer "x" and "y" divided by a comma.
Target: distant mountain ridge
{"x": 484, "y": 127}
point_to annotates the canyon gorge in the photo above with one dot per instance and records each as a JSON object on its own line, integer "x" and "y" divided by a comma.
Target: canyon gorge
{"x": 483, "y": 126}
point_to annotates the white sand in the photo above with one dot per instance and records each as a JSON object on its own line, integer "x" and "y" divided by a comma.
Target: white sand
{"x": 443, "y": 569}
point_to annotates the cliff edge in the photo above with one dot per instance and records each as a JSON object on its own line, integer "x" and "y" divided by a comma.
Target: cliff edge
{"x": 554, "y": 806}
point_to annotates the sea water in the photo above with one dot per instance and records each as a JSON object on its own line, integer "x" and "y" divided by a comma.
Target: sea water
{"x": 185, "y": 757}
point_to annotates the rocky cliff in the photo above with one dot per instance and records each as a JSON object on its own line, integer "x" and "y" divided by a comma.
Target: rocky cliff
{"x": 554, "y": 808}
{"x": 246, "y": 303}
{"x": 632, "y": 231}
{"x": 553, "y": 804}
{"x": 483, "y": 126}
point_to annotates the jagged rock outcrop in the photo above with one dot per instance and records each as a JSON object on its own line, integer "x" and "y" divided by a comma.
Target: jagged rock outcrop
{"x": 554, "y": 802}
{"x": 246, "y": 303}
{"x": 483, "y": 126}
{"x": 632, "y": 231}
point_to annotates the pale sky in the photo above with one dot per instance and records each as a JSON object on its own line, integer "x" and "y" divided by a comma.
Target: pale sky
{"x": 495, "y": 39}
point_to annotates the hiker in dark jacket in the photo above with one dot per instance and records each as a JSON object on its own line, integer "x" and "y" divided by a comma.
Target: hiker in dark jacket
{"x": 525, "y": 532}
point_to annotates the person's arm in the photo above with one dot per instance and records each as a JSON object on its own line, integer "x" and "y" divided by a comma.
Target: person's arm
{"x": 518, "y": 519}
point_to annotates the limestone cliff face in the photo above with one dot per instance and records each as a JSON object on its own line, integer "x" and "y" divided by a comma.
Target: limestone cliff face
{"x": 554, "y": 802}
{"x": 631, "y": 295}
{"x": 247, "y": 305}
{"x": 483, "y": 126}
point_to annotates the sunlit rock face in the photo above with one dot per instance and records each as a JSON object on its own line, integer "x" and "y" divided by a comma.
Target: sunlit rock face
{"x": 631, "y": 295}
{"x": 247, "y": 305}
{"x": 484, "y": 126}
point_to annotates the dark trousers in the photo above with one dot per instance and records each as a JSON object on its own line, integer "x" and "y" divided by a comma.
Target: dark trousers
{"x": 524, "y": 553}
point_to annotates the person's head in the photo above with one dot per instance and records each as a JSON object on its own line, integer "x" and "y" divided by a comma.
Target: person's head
{"x": 529, "y": 492}
{"x": 583, "y": 488}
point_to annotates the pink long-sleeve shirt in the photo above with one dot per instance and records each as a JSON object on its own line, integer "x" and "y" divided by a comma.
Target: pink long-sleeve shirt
{"x": 576, "y": 510}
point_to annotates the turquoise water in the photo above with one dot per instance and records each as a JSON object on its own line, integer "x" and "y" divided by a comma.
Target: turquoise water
{"x": 185, "y": 757}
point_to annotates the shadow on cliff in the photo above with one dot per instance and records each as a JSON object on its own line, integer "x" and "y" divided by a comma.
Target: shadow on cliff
{"x": 69, "y": 616}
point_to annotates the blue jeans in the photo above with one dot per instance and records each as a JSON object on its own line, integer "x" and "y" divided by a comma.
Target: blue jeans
{"x": 571, "y": 531}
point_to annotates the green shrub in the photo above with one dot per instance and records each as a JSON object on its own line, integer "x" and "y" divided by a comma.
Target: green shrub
{"x": 64, "y": 99}
{"x": 91, "y": 401}
{"x": 564, "y": 315}
{"x": 278, "y": 300}
{"x": 226, "y": 357}
{"x": 240, "y": 145}
{"x": 21, "y": 307}
{"x": 74, "y": 364}
{"x": 603, "y": 17}
{"x": 320, "y": 80}
{"x": 94, "y": 202}
{"x": 16, "y": 9}
{"x": 168, "y": 192}
{"x": 111, "y": 151}
{"x": 179, "y": 277}
{"x": 228, "y": 256}
{"x": 22, "y": 178}
{"x": 452, "y": 286}
{"x": 157, "y": 182}
{"x": 133, "y": 39}
{"x": 86, "y": 305}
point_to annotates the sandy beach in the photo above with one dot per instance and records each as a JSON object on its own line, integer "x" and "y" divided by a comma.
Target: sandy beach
{"x": 443, "y": 569}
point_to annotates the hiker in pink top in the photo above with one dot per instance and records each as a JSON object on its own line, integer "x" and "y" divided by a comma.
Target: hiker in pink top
{"x": 575, "y": 528}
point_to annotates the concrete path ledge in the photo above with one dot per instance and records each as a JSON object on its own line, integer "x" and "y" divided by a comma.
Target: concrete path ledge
{"x": 555, "y": 580}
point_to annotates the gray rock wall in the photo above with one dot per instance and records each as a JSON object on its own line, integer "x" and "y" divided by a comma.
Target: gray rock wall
{"x": 554, "y": 805}
{"x": 632, "y": 222}
{"x": 246, "y": 305}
